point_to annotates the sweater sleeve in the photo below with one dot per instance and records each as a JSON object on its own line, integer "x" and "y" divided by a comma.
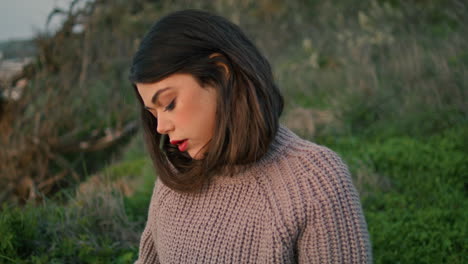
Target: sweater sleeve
{"x": 334, "y": 230}
{"x": 147, "y": 253}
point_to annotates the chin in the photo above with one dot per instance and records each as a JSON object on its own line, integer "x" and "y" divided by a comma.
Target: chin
{"x": 191, "y": 154}
{"x": 195, "y": 155}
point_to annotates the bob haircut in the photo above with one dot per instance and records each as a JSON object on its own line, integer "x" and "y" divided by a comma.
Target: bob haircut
{"x": 215, "y": 52}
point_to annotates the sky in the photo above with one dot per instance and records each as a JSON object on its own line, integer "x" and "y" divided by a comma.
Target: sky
{"x": 20, "y": 19}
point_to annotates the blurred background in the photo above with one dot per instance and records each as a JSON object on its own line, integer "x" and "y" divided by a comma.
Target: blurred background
{"x": 382, "y": 82}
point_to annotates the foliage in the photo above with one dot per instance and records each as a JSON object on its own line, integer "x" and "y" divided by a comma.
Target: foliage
{"x": 420, "y": 215}
{"x": 76, "y": 233}
{"x": 95, "y": 224}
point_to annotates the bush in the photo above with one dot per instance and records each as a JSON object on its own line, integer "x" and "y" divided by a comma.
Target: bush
{"x": 94, "y": 230}
{"x": 420, "y": 215}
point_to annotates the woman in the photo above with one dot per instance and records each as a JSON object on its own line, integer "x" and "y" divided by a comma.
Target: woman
{"x": 234, "y": 186}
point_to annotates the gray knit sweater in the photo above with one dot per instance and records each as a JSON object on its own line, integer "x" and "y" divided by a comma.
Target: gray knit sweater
{"x": 296, "y": 205}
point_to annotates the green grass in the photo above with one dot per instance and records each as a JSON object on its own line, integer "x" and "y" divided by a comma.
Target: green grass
{"x": 99, "y": 225}
{"x": 417, "y": 214}
{"x": 420, "y": 215}
{"x": 58, "y": 234}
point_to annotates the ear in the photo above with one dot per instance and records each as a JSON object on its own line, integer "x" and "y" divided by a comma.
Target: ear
{"x": 221, "y": 62}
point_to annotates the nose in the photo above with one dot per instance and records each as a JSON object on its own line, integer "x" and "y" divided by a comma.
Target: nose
{"x": 164, "y": 125}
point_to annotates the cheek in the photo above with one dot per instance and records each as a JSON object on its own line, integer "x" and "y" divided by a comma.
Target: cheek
{"x": 198, "y": 117}
{"x": 186, "y": 117}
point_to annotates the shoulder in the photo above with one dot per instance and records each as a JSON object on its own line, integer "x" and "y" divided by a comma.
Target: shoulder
{"x": 323, "y": 177}
{"x": 311, "y": 160}
{"x": 303, "y": 176}
{"x": 327, "y": 209}
{"x": 320, "y": 172}
{"x": 305, "y": 160}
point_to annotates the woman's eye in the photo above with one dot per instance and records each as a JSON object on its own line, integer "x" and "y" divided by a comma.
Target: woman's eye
{"x": 170, "y": 106}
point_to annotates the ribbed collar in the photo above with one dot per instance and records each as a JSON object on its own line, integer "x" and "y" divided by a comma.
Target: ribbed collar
{"x": 283, "y": 138}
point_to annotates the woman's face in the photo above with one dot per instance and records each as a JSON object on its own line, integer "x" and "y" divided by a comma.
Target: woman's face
{"x": 185, "y": 111}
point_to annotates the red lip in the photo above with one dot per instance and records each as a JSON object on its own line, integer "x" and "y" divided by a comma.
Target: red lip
{"x": 176, "y": 142}
{"x": 181, "y": 144}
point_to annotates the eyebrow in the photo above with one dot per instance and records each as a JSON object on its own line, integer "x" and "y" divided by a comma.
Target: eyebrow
{"x": 154, "y": 99}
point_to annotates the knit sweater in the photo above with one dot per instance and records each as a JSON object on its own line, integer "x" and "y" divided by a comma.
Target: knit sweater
{"x": 296, "y": 205}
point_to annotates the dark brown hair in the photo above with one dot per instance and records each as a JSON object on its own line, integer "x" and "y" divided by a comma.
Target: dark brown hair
{"x": 248, "y": 103}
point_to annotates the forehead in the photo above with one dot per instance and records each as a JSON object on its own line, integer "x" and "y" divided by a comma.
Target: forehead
{"x": 147, "y": 90}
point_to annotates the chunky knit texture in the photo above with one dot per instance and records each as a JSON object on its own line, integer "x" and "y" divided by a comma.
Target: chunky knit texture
{"x": 296, "y": 205}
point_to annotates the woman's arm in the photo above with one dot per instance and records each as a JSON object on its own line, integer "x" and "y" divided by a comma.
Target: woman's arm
{"x": 334, "y": 230}
{"x": 147, "y": 253}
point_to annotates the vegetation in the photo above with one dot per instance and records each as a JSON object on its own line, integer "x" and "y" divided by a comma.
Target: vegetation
{"x": 390, "y": 76}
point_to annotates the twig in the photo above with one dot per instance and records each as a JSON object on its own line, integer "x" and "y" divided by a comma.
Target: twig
{"x": 64, "y": 164}
{"x": 7, "y": 258}
{"x": 45, "y": 186}
{"x": 111, "y": 137}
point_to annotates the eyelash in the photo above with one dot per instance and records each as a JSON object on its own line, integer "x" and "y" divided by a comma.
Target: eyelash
{"x": 170, "y": 106}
